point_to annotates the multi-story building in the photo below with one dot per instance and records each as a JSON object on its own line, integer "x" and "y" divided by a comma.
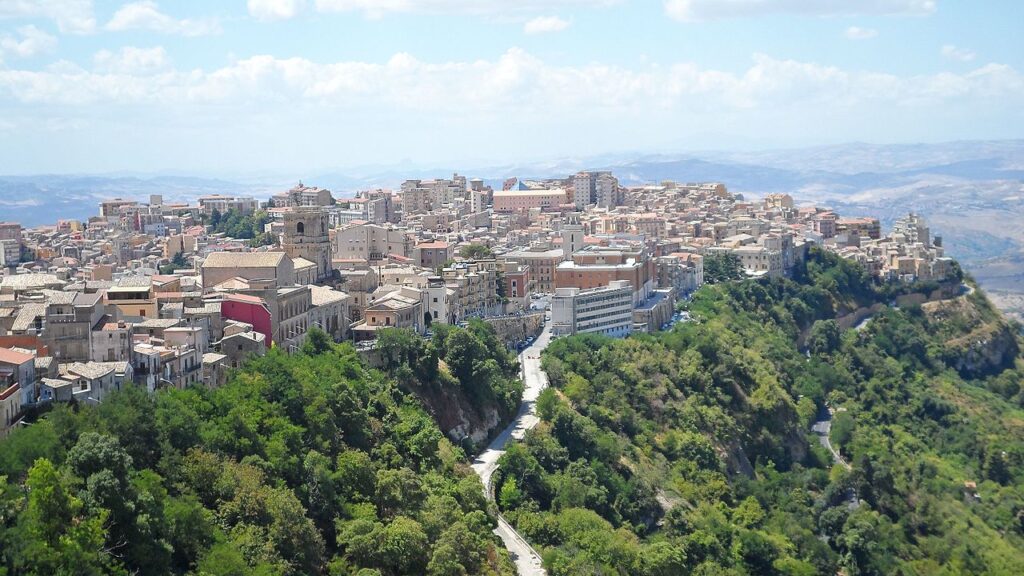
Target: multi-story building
{"x": 597, "y": 266}
{"x": 225, "y": 204}
{"x": 111, "y": 342}
{"x": 433, "y": 254}
{"x": 301, "y": 195}
{"x": 606, "y": 190}
{"x": 17, "y": 371}
{"x": 68, "y": 324}
{"x": 275, "y": 267}
{"x": 371, "y": 242}
{"x": 329, "y": 311}
{"x": 475, "y": 288}
{"x": 542, "y": 260}
{"x": 402, "y": 308}
{"x": 863, "y": 227}
{"x": 508, "y": 201}
{"x": 682, "y": 271}
{"x": 913, "y": 229}
{"x": 607, "y": 310}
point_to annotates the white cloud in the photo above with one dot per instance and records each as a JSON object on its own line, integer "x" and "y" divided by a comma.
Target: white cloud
{"x": 858, "y": 33}
{"x": 32, "y": 41}
{"x": 960, "y": 54}
{"x": 267, "y": 10}
{"x": 71, "y": 16}
{"x": 701, "y": 10}
{"x": 146, "y": 15}
{"x": 543, "y": 24}
{"x": 381, "y": 8}
{"x": 131, "y": 60}
{"x": 516, "y": 83}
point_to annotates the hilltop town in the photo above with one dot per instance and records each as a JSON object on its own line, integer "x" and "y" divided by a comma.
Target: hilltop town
{"x": 171, "y": 294}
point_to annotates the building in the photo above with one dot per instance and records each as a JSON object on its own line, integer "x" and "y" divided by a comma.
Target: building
{"x": 863, "y": 227}
{"x": 371, "y": 242}
{"x": 133, "y": 298}
{"x": 542, "y": 261}
{"x": 10, "y": 406}
{"x": 473, "y": 289}
{"x": 224, "y": 204}
{"x": 597, "y": 266}
{"x": 275, "y": 267}
{"x": 301, "y": 195}
{"x": 760, "y": 261}
{"x": 432, "y": 255}
{"x": 329, "y": 311}
{"x": 86, "y": 382}
{"x": 401, "y": 308}
{"x": 241, "y": 341}
{"x": 654, "y": 313}
{"x": 111, "y": 342}
{"x": 508, "y": 201}
{"x": 682, "y": 271}
{"x": 913, "y": 229}
{"x": 607, "y": 310}
{"x": 18, "y": 368}
{"x": 306, "y": 236}
{"x": 68, "y": 323}
{"x": 606, "y": 190}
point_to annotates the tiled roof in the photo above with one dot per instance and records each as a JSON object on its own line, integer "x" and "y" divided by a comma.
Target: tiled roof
{"x": 244, "y": 259}
{"x": 9, "y": 356}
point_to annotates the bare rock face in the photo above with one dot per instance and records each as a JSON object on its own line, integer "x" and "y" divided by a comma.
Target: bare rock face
{"x": 978, "y": 341}
{"x": 983, "y": 352}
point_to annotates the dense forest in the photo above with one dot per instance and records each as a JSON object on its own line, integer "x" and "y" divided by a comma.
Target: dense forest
{"x": 691, "y": 451}
{"x": 301, "y": 465}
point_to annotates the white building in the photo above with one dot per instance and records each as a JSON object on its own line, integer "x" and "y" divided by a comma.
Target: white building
{"x": 607, "y": 310}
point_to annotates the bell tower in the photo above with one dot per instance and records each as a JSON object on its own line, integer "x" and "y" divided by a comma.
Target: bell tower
{"x": 306, "y": 236}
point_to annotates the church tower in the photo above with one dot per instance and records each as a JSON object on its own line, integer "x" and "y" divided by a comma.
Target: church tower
{"x": 572, "y": 236}
{"x": 306, "y": 236}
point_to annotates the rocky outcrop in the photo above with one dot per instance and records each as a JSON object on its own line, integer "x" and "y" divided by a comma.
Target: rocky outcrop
{"x": 985, "y": 351}
{"x": 458, "y": 418}
{"x": 977, "y": 340}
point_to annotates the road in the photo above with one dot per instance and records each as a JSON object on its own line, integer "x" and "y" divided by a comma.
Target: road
{"x": 822, "y": 428}
{"x": 527, "y": 561}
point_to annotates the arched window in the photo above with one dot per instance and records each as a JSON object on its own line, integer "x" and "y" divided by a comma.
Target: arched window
{"x": 300, "y": 228}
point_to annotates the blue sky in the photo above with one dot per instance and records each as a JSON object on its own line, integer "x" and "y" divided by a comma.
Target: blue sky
{"x": 231, "y": 87}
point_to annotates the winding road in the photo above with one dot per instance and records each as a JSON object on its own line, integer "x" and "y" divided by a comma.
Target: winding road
{"x": 528, "y": 562}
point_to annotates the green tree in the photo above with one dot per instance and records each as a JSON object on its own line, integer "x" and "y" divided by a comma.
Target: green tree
{"x": 476, "y": 252}
{"x": 55, "y": 534}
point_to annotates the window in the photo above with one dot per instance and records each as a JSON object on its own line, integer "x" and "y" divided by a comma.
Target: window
{"x": 300, "y": 228}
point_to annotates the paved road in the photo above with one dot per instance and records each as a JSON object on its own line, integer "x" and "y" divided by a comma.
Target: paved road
{"x": 528, "y": 562}
{"x": 822, "y": 428}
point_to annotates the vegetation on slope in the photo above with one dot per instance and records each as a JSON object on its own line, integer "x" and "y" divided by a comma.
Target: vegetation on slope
{"x": 690, "y": 452}
{"x": 249, "y": 227}
{"x": 303, "y": 464}
{"x": 466, "y": 377}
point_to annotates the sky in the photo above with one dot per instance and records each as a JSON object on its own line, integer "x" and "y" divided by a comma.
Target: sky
{"x": 229, "y": 87}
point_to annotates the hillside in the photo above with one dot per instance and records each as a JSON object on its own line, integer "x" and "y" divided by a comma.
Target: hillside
{"x": 301, "y": 465}
{"x": 691, "y": 451}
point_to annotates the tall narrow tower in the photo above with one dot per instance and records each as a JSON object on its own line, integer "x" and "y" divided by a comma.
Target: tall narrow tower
{"x": 306, "y": 236}
{"x": 572, "y": 236}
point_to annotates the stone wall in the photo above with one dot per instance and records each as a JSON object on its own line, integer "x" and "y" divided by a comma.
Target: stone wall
{"x": 513, "y": 329}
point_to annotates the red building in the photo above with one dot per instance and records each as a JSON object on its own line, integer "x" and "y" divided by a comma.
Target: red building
{"x": 251, "y": 310}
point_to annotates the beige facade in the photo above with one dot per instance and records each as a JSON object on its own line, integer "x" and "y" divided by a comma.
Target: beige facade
{"x": 222, "y": 266}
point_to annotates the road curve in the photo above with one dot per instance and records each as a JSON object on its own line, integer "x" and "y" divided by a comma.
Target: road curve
{"x": 528, "y": 562}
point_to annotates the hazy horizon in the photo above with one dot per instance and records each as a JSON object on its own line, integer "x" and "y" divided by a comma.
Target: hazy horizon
{"x": 313, "y": 85}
